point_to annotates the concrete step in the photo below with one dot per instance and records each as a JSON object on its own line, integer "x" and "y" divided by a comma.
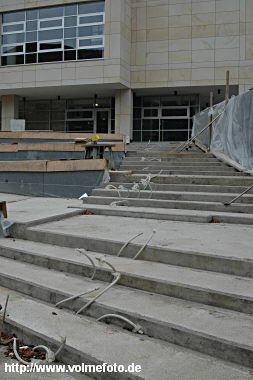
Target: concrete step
{"x": 183, "y": 166}
{"x": 201, "y": 160}
{"x": 244, "y": 208}
{"x": 183, "y": 215}
{"x": 169, "y": 164}
{"x": 175, "y": 243}
{"x": 170, "y": 154}
{"x": 190, "y": 172}
{"x": 172, "y": 195}
{"x": 221, "y": 333}
{"x": 185, "y": 179}
{"x": 94, "y": 343}
{"x": 188, "y": 188}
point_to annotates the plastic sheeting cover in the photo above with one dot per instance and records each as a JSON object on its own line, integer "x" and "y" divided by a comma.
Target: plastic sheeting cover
{"x": 232, "y": 132}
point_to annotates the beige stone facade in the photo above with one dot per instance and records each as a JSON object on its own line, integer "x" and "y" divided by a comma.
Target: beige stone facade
{"x": 150, "y": 45}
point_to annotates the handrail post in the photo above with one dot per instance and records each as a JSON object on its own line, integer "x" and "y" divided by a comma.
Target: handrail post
{"x": 210, "y": 121}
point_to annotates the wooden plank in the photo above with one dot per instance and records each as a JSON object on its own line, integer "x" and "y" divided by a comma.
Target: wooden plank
{"x": 8, "y": 148}
{"x": 3, "y": 209}
{"x": 52, "y": 166}
{"x": 51, "y": 147}
{"x": 57, "y": 135}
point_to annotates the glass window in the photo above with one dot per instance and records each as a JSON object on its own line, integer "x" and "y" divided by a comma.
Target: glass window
{"x": 70, "y": 10}
{"x": 13, "y": 17}
{"x": 80, "y": 115}
{"x": 54, "y": 34}
{"x": 91, "y": 42}
{"x": 70, "y": 21}
{"x": 50, "y": 12}
{"x": 31, "y": 25}
{"x": 94, "y": 7}
{"x": 16, "y": 38}
{"x": 31, "y": 37}
{"x": 148, "y": 124}
{"x": 151, "y": 101}
{"x": 62, "y": 29}
{"x": 94, "y": 30}
{"x": 150, "y": 112}
{"x": 174, "y": 124}
{"x": 12, "y": 60}
{"x": 91, "y": 19}
{"x": 13, "y": 49}
{"x": 32, "y": 14}
{"x": 49, "y": 24}
{"x": 174, "y": 112}
{"x": 50, "y": 45}
{"x": 70, "y": 44}
{"x": 13, "y": 28}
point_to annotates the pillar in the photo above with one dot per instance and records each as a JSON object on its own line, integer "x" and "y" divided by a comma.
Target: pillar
{"x": 10, "y": 108}
{"x": 124, "y": 112}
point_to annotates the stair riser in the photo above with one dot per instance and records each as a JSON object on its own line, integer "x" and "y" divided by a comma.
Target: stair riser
{"x": 201, "y": 160}
{"x": 170, "y": 154}
{"x": 164, "y": 196}
{"x": 191, "y": 188}
{"x": 185, "y": 166}
{"x": 174, "y": 163}
{"x": 245, "y": 181}
{"x": 152, "y": 328}
{"x": 150, "y": 253}
{"x": 246, "y": 209}
{"x": 187, "y": 172}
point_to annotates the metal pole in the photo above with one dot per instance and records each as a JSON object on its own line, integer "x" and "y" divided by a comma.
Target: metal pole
{"x": 227, "y": 87}
{"x": 210, "y": 121}
{"x": 239, "y": 196}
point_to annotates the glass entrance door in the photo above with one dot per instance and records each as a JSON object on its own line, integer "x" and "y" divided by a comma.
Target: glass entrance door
{"x": 102, "y": 121}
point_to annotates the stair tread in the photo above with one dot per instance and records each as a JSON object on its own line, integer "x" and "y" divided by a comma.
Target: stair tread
{"x": 211, "y": 321}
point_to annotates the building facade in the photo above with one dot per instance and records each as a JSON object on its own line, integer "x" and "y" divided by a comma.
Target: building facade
{"x": 138, "y": 67}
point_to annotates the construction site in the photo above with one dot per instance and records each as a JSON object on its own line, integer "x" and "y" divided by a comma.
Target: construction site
{"x": 126, "y": 190}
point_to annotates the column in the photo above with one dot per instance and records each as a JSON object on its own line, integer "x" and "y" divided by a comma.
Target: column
{"x": 10, "y": 107}
{"x": 124, "y": 112}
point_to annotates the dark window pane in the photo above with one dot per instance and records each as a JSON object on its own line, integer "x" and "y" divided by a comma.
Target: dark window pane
{"x": 80, "y": 115}
{"x": 90, "y": 54}
{"x": 13, "y": 17}
{"x": 32, "y": 14}
{"x": 80, "y": 126}
{"x": 151, "y": 112}
{"x": 91, "y": 19}
{"x": 137, "y": 124}
{"x": 31, "y": 25}
{"x": 149, "y": 124}
{"x": 31, "y": 47}
{"x": 150, "y": 135}
{"x": 50, "y": 46}
{"x": 70, "y": 44}
{"x": 137, "y": 113}
{"x": 13, "y": 28}
{"x": 94, "y": 30}
{"x": 151, "y": 101}
{"x": 70, "y": 21}
{"x": 91, "y": 42}
{"x": 77, "y": 104}
{"x": 31, "y": 58}
{"x": 51, "y": 34}
{"x": 70, "y": 55}
{"x": 70, "y": 32}
{"x": 70, "y": 10}
{"x": 173, "y": 136}
{"x": 112, "y": 126}
{"x": 174, "y": 124}
{"x": 58, "y": 115}
{"x": 13, "y": 38}
{"x": 31, "y": 36}
{"x": 50, "y": 56}
{"x": 137, "y": 101}
{"x": 12, "y": 49}
{"x": 37, "y": 126}
{"x": 51, "y": 12}
{"x": 174, "y": 112}
{"x": 12, "y": 60}
{"x": 50, "y": 24}
{"x": 137, "y": 136}
{"x": 91, "y": 7}
{"x": 58, "y": 126}
{"x": 178, "y": 100}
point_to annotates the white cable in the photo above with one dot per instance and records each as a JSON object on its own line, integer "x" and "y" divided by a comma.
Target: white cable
{"x": 136, "y": 328}
{"x": 128, "y": 242}
{"x": 50, "y": 356}
{"x": 116, "y": 279}
{"x": 103, "y": 261}
{"x": 81, "y": 250}
{"x": 76, "y": 296}
{"x": 17, "y": 354}
{"x": 144, "y": 246}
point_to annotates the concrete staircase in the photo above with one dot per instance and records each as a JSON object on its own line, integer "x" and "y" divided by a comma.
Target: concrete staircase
{"x": 189, "y": 186}
{"x": 193, "y": 300}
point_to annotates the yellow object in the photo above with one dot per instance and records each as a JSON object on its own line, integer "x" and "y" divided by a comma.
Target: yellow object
{"x": 95, "y": 138}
